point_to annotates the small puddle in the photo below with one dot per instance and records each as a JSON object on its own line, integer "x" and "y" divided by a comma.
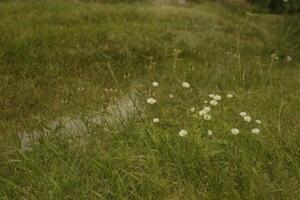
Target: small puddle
{"x": 115, "y": 114}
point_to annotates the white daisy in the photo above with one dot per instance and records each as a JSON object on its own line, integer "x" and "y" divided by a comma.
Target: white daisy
{"x": 205, "y": 101}
{"x": 171, "y": 96}
{"x": 206, "y": 109}
{"x": 258, "y": 121}
{"x": 217, "y": 97}
{"x": 209, "y": 133}
{"x": 213, "y": 102}
{"x": 207, "y": 116}
{"x": 247, "y": 119}
{"x": 255, "y": 131}
{"x": 202, "y": 112}
{"x": 235, "y": 131}
{"x": 155, "y": 120}
{"x": 243, "y": 114}
{"x": 186, "y": 85}
{"x": 151, "y": 101}
{"x": 193, "y": 109}
{"x": 155, "y": 84}
{"x": 211, "y": 95}
{"x": 229, "y": 96}
{"x": 182, "y": 133}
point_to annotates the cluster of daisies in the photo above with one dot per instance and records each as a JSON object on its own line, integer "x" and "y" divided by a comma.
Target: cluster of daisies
{"x": 205, "y": 112}
{"x": 248, "y": 119}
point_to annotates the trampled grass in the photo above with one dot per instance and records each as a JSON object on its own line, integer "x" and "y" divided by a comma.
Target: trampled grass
{"x": 55, "y": 59}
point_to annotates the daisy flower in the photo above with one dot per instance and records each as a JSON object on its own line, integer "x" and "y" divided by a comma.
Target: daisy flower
{"x": 182, "y": 133}
{"x": 258, "y": 121}
{"x": 213, "y": 102}
{"x": 155, "y": 84}
{"x": 202, "y": 112}
{"x": 217, "y": 97}
{"x": 229, "y": 96}
{"x": 207, "y": 116}
{"x": 155, "y": 120}
{"x": 186, "y": 85}
{"x": 209, "y": 133}
{"x": 235, "y": 131}
{"x": 243, "y": 114}
{"x": 193, "y": 109}
{"x": 206, "y": 109}
{"x": 151, "y": 101}
{"x": 247, "y": 119}
{"x": 211, "y": 95}
{"x": 255, "y": 131}
{"x": 171, "y": 96}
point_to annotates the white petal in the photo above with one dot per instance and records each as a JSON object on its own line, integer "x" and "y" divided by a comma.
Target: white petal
{"x": 186, "y": 85}
{"x": 182, "y": 133}
{"x": 247, "y": 118}
{"x": 243, "y": 114}
{"x": 229, "y": 96}
{"x": 235, "y": 131}
{"x": 255, "y": 131}
{"x": 155, "y": 120}
{"x": 155, "y": 84}
{"x": 209, "y": 133}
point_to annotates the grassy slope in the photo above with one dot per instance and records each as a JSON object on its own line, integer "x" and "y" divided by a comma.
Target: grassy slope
{"x": 50, "y": 49}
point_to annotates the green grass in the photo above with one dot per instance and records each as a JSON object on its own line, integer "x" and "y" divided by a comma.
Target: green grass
{"x": 49, "y": 49}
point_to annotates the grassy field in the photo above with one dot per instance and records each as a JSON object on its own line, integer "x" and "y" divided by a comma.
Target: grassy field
{"x": 55, "y": 60}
